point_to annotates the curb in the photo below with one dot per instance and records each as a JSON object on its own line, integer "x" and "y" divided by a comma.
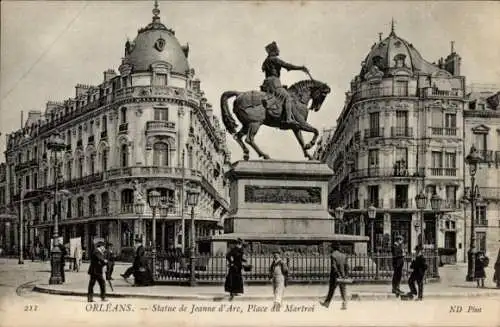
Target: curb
{"x": 222, "y": 297}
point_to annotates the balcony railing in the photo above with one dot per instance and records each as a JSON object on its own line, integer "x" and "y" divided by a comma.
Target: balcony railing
{"x": 401, "y": 203}
{"x": 377, "y": 203}
{"x": 127, "y": 208}
{"x": 401, "y": 132}
{"x": 151, "y": 171}
{"x": 480, "y": 222}
{"x": 376, "y": 92}
{"x": 444, "y": 131}
{"x": 396, "y": 171}
{"x": 448, "y": 172}
{"x": 160, "y": 126}
{"x": 374, "y": 132}
{"x": 123, "y": 128}
{"x": 433, "y": 92}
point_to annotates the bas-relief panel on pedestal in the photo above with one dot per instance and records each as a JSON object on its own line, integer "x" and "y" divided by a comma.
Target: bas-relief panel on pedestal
{"x": 283, "y": 194}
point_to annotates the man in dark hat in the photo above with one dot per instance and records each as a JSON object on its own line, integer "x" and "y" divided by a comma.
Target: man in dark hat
{"x": 338, "y": 270}
{"x": 397, "y": 264}
{"x": 272, "y": 68}
{"x": 139, "y": 253}
{"x": 97, "y": 263}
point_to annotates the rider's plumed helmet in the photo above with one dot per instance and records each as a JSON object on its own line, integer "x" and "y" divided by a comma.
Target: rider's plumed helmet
{"x": 271, "y": 47}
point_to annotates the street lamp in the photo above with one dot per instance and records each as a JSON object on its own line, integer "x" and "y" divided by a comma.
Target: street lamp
{"x": 56, "y": 144}
{"x": 372, "y": 213}
{"x": 154, "y": 201}
{"x": 192, "y": 200}
{"x": 472, "y": 159}
{"x": 436, "y": 207}
{"x": 421, "y": 200}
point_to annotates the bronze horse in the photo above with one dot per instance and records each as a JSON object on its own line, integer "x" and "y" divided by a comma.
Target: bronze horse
{"x": 251, "y": 109}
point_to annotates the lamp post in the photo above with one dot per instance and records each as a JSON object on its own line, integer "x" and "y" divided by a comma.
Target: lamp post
{"x": 154, "y": 201}
{"x": 421, "y": 201}
{"x": 192, "y": 200}
{"x": 139, "y": 210}
{"x": 436, "y": 207}
{"x": 472, "y": 159}
{"x": 339, "y": 215}
{"x": 56, "y": 144}
{"x": 372, "y": 213}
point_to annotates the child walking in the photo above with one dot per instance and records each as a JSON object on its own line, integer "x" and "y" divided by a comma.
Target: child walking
{"x": 419, "y": 267}
{"x": 279, "y": 274}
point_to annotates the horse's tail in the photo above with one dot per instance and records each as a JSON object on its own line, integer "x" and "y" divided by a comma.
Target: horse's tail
{"x": 227, "y": 118}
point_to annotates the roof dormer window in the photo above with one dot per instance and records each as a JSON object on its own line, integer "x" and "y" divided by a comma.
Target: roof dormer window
{"x": 399, "y": 59}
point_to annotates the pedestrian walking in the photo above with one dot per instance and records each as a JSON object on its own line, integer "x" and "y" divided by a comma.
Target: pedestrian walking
{"x": 279, "y": 276}
{"x": 97, "y": 263}
{"x": 496, "y": 275}
{"x": 397, "y": 264}
{"x": 110, "y": 256}
{"x": 234, "y": 279}
{"x": 78, "y": 259}
{"x": 139, "y": 253}
{"x": 419, "y": 267}
{"x": 338, "y": 276}
{"x": 481, "y": 262}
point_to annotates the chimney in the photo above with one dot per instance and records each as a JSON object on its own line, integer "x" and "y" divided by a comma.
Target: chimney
{"x": 81, "y": 89}
{"x": 453, "y": 61}
{"x": 109, "y": 74}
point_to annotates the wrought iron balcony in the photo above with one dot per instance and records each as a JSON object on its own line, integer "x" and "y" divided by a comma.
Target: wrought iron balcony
{"x": 444, "y": 131}
{"x": 123, "y": 128}
{"x": 401, "y": 203}
{"x": 377, "y": 203}
{"x": 374, "y": 132}
{"x": 401, "y": 132}
{"x": 160, "y": 126}
{"x": 127, "y": 208}
{"x": 396, "y": 171}
{"x": 446, "y": 172}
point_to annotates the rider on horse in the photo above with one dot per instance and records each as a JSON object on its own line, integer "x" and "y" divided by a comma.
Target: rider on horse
{"x": 272, "y": 68}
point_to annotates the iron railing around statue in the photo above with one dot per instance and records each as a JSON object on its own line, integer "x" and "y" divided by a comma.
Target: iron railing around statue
{"x": 303, "y": 268}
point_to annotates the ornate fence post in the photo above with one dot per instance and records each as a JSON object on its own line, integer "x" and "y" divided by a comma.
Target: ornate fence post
{"x": 377, "y": 265}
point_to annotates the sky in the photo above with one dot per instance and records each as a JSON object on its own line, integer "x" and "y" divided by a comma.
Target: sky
{"x": 47, "y": 47}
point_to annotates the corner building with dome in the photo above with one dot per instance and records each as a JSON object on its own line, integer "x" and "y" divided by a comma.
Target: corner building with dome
{"x": 400, "y": 133}
{"x": 148, "y": 127}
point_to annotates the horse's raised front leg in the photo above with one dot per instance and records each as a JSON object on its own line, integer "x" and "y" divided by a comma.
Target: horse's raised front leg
{"x": 253, "y": 128}
{"x": 238, "y": 136}
{"x": 298, "y": 135}
{"x": 303, "y": 125}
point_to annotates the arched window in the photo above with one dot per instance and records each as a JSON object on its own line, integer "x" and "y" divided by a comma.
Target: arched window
{"x": 80, "y": 167}
{"x": 124, "y": 155}
{"x": 104, "y": 203}
{"x": 92, "y": 204}
{"x": 160, "y": 154}
{"x": 92, "y": 164}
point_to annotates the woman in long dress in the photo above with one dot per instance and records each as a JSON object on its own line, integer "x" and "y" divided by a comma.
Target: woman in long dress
{"x": 234, "y": 278}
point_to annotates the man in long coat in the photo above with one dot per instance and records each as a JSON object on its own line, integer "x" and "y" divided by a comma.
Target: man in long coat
{"x": 97, "y": 263}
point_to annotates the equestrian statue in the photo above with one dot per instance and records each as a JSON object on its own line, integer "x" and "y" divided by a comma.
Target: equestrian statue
{"x": 275, "y": 105}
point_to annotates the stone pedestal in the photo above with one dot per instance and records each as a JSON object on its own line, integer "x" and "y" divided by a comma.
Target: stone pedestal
{"x": 282, "y": 203}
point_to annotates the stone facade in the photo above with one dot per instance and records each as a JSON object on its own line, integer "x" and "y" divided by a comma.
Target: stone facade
{"x": 147, "y": 128}
{"x": 482, "y": 129}
{"x": 400, "y": 133}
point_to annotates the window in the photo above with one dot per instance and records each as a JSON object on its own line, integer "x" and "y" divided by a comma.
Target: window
{"x": 481, "y": 215}
{"x": 437, "y": 159}
{"x": 91, "y": 127}
{"x": 160, "y": 154}
{"x": 80, "y": 167}
{"x": 190, "y": 158}
{"x": 104, "y": 160}
{"x": 104, "y": 123}
{"x": 401, "y": 88}
{"x": 92, "y": 203}
{"x": 79, "y": 207}
{"x": 105, "y": 203}
{"x": 450, "y": 160}
{"x": 68, "y": 210}
{"x": 27, "y": 182}
{"x": 401, "y": 162}
{"x": 68, "y": 137}
{"x": 79, "y": 132}
{"x": 68, "y": 169}
{"x": 481, "y": 241}
{"x": 124, "y": 155}
{"x": 437, "y": 118}
{"x": 401, "y": 196}
{"x": 373, "y": 196}
{"x": 45, "y": 177}
{"x": 123, "y": 115}
{"x": 451, "y": 195}
{"x": 450, "y": 121}
{"x": 92, "y": 164}
{"x": 161, "y": 114}
{"x": 373, "y": 158}
{"x": 374, "y": 121}
{"x": 481, "y": 106}
{"x": 430, "y": 190}
{"x": 35, "y": 180}
{"x": 35, "y": 153}
{"x": 400, "y": 60}
{"x": 402, "y": 119}
{"x": 480, "y": 141}
{"x": 161, "y": 79}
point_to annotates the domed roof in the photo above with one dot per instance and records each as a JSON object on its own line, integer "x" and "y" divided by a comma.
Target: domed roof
{"x": 394, "y": 52}
{"x": 156, "y": 43}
